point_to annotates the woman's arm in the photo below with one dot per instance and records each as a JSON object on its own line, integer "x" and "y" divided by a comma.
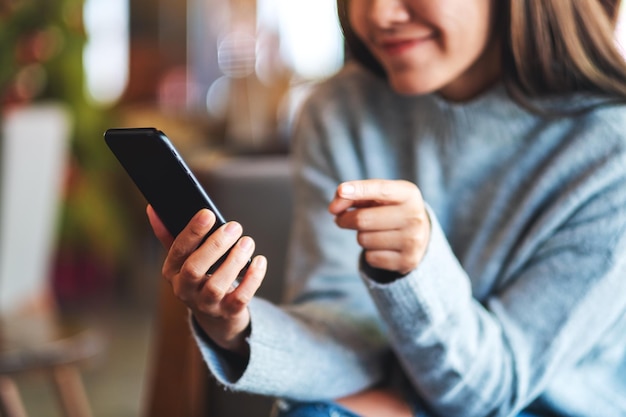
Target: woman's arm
{"x": 471, "y": 358}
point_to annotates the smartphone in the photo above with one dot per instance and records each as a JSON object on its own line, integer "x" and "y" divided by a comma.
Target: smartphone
{"x": 163, "y": 177}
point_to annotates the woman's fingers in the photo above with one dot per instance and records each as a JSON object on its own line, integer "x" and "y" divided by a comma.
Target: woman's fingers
{"x": 381, "y": 240}
{"x": 191, "y": 279}
{"x": 397, "y": 250}
{"x": 373, "y": 219}
{"x": 216, "y": 245}
{"x": 379, "y": 191}
{"x": 187, "y": 242}
{"x": 390, "y": 219}
{"x": 221, "y": 282}
{"x": 235, "y": 301}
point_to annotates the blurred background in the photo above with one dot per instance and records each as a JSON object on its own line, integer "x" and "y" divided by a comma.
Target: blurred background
{"x": 224, "y": 80}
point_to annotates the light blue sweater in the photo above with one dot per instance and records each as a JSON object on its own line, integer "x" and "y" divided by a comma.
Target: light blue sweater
{"x": 521, "y": 296}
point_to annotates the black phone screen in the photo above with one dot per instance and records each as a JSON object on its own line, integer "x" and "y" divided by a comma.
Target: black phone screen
{"x": 161, "y": 175}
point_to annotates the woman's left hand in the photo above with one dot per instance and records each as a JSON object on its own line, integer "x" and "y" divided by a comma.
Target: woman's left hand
{"x": 392, "y": 225}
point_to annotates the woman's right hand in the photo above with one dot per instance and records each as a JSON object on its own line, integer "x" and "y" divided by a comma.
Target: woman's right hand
{"x": 218, "y": 304}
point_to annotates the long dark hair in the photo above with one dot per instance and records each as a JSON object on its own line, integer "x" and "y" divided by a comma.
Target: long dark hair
{"x": 549, "y": 47}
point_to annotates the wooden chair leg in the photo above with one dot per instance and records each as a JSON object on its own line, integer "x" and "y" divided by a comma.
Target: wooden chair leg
{"x": 71, "y": 391}
{"x": 11, "y": 404}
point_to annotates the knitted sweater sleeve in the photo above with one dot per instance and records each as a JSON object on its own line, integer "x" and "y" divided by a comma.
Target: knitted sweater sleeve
{"x": 494, "y": 357}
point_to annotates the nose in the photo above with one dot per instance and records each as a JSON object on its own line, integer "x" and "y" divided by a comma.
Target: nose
{"x": 387, "y": 13}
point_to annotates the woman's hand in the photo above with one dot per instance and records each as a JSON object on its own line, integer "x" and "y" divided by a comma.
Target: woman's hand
{"x": 217, "y": 302}
{"x": 390, "y": 219}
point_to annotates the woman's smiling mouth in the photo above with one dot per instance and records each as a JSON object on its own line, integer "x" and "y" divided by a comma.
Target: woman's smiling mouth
{"x": 394, "y": 47}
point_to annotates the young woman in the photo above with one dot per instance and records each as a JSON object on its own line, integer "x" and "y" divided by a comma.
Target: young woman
{"x": 459, "y": 245}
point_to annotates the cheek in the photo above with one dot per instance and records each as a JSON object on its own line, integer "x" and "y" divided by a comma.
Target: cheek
{"x": 470, "y": 28}
{"x": 465, "y": 36}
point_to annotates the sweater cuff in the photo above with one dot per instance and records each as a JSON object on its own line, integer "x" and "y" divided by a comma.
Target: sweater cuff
{"x": 228, "y": 365}
{"x": 429, "y": 293}
{"x": 264, "y": 340}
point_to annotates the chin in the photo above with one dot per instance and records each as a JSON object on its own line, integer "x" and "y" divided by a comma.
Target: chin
{"x": 412, "y": 87}
{"x": 411, "y": 82}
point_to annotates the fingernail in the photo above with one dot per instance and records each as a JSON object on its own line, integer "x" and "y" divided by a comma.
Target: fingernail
{"x": 259, "y": 262}
{"x": 245, "y": 242}
{"x": 347, "y": 189}
{"x": 232, "y": 228}
{"x": 204, "y": 217}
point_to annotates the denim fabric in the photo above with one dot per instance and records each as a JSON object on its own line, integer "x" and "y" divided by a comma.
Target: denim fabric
{"x": 314, "y": 409}
{"x": 326, "y": 409}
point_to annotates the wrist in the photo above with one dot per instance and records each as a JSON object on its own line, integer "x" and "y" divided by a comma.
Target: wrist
{"x": 231, "y": 337}
{"x": 233, "y": 363}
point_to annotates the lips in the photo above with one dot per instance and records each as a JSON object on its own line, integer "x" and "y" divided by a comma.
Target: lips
{"x": 399, "y": 46}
